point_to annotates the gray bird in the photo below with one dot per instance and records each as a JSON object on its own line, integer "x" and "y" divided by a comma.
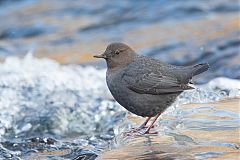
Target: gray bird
{"x": 143, "y": 85}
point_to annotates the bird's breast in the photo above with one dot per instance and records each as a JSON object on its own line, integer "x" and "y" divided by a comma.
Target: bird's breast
{"x": 118, "y": 88}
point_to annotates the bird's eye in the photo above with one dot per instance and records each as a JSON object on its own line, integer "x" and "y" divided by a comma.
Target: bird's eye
{"x": 117, "y": 52}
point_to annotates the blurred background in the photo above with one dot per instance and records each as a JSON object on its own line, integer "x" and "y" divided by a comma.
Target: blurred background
{"x": 178, "y": 32}
{"x": 54, "y": 103}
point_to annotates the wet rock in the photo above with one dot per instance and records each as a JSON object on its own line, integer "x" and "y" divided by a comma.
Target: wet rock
{"x": 43, "y": 140}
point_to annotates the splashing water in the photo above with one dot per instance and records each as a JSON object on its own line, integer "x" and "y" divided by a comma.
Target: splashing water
{"x": 41, "y": 98}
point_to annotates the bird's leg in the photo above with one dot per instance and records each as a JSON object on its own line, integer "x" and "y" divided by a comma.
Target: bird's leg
{"x": 134, "y": 130}
{"x": 142, "y": 126}
{"x": 147, "y": 131}
{"x": 145, "y": 123}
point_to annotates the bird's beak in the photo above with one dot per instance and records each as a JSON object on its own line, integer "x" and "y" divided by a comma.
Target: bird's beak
{"x": 100, "y": 56}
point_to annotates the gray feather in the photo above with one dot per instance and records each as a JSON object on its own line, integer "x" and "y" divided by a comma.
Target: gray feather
{"x": 148, "y": 76}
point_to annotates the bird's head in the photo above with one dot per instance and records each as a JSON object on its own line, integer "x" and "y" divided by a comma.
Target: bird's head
{"x": 117, "y": 55}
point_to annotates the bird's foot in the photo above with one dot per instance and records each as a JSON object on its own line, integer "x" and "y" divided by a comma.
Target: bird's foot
{"x": 144, "y": 127}
{"x": 138, "y": 131}
{"x": 148, "y": 132}
{"x": 132, "y": 132}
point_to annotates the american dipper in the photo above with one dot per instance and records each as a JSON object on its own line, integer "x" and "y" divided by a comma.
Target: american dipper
{"x": 143, "y": 85}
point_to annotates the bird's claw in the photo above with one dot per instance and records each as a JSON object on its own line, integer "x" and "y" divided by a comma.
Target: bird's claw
{"x": 132, "y": 132}
{"x": 148, "y": 132}
{"x": 137, "y": 131}
{"x": 144, "y": 127}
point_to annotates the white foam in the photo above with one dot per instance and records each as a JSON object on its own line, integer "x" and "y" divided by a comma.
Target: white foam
{"x": 39, "y": 96}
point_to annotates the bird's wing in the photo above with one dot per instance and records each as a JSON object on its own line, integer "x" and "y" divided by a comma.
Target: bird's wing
{"x": 145, "y": 80}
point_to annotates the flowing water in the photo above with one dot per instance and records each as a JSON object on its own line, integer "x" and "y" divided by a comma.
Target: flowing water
{"x": 50, "y": 110}
{"x": 53, "y": 108}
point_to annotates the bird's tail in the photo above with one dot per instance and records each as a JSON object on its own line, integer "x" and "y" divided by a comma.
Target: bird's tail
{"x": 199, "y": 68}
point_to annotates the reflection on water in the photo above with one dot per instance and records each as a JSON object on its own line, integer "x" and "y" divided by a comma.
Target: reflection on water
{"x": 54, "y": 111}
{"x": 197, "y": 131}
